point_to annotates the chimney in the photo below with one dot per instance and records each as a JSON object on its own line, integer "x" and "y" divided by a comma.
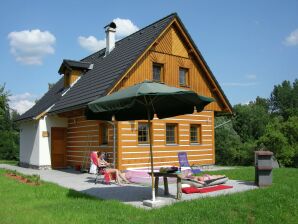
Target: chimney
{"x": 110, "y": 37}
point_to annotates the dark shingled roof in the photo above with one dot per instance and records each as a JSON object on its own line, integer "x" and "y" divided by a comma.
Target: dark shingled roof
{"x": 51, "y": 97}
{"x": 107, "y": 70}
{"x": 74, "y": 64}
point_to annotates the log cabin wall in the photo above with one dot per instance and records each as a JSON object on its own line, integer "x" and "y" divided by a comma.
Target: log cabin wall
{"x": 135, "y": 155}
{"x": 84, "y": 136}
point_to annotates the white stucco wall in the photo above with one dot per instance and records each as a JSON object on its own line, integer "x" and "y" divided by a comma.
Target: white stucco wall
{"x": 46, "y": 124}
{"x": 34, "y": 148}
{"x": 29, "y": 142}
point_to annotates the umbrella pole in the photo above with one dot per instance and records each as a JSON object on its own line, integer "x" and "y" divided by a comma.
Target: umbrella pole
{"x": 151, "y": 155}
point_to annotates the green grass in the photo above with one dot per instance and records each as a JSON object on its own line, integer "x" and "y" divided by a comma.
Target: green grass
{"x": 10, "y": 162}
{"x": 49, "y": 203}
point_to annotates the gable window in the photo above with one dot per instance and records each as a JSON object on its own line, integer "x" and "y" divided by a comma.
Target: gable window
{"x": 171, "y": 133}
{"x": 195, "y": 133}
{"x": 158, "y": 72}
{"x": 183, "y": 77}
{"x": 143, "y": 133}
{"x": 104, "y": 134}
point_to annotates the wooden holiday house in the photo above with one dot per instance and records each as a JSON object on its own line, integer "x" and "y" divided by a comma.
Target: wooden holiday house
{"x": 55, "y": 132}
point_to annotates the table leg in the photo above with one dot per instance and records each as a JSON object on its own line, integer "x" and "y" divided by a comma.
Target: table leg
{"x": 179, "y": 192}
{"x": 156, "y": 186}
{"x": 165, "y": 181}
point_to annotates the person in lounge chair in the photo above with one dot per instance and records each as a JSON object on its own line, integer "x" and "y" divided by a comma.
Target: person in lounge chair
{"x": 120, "y": 177}
{"x": 206, "y": 178}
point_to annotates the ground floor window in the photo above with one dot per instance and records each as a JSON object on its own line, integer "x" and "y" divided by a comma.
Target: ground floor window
{"x": 143, "y": 133}
{"x": 171, "y": 133}
{"x": 104, "y": 134}
{"x": 195, "y": 133}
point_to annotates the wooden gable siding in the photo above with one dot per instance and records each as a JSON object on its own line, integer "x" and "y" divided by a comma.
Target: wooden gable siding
{"x": 83, "y": 136}
{"x": 170, "y": 51}
{"x": 166, "y": 52}
{"x": 134, "y": 155}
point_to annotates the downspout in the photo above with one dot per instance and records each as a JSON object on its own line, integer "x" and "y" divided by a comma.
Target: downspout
{"x": 114, "y": 141}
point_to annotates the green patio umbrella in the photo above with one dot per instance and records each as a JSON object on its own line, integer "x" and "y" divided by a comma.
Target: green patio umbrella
{"x": 142, "y": 101}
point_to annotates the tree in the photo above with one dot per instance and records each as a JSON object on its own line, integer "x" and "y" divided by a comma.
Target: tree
{"x": 9, "y": 136}
{"x": 284, "y": 99}
{"x": 277, "y": 141}
{"x": 251, "y": 119}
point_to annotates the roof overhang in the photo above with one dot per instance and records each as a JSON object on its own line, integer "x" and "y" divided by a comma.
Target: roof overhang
{"x": 71, "y": 64}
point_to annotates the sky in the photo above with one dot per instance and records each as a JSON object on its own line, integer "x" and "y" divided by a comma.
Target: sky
{"x": 250, "y": 46}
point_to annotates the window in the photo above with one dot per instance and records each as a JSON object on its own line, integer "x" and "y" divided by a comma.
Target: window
{"x": 104, "y": 134}
{"x": 143, "y": 133}
{"x": 171, "y": 133}
{"x": 158, "y": 72}
{"x": 195, "y": 133}
{"x": 183, "y": 77}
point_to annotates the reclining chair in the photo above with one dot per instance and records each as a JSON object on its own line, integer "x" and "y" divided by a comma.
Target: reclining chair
{"x": 182, "y": 156}
{"x": 100, "y": 171}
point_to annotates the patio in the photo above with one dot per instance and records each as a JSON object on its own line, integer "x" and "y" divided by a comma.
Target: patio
{"x": 132, "y": 194}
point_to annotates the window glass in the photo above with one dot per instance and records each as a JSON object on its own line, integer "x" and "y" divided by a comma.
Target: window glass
{"x": 104, "y": 134}
{"x": 195, "y": 133}
{"x": 183, "y": 77}
{"x": 171, "y": 133}
{"x": 157, "y": 72}
{"x": 143, "y": 133}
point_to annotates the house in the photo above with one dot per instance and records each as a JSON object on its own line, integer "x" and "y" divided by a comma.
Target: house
{"x": 56, "y": 134}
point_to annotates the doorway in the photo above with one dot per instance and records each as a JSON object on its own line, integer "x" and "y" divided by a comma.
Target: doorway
{"x": 58, "y": 147}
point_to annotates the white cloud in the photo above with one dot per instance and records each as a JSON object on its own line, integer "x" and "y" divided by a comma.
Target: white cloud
{"x": 292, "y": 39}
{"x": 124, "y": 28}
{"x": 91, "y": 43}
{"x": 31, "y": 46}
{"x": 22, "y": 102}
{"x": 251, "y": 77}
{"x": 239, "y": 84}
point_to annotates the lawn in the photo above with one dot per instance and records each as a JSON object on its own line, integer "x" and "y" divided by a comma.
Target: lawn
{"x": 49, "y": 203}
{"x": 10, "y": 162}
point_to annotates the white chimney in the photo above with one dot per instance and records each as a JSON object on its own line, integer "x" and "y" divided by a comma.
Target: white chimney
{"x": 110, "y": 37}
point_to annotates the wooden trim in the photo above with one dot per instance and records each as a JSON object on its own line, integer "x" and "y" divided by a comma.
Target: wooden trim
{"x": 202, "y": 63}
{"x": 140, "y": 58}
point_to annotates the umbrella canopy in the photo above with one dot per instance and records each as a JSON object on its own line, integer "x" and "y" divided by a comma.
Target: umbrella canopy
{"x": 142, "y": 101}
{"x": 136, "y": 102}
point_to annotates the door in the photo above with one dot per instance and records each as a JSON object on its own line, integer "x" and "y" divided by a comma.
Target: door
{"x": 58, "y": 143}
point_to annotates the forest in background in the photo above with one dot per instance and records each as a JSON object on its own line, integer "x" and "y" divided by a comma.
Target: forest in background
{"x": 263, "y": 124}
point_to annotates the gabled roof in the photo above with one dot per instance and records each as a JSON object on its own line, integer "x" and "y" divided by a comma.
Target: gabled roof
{"x": 71, "y": 64}
{"x": 51, "y": 97}
{"x": 107, "y": 71}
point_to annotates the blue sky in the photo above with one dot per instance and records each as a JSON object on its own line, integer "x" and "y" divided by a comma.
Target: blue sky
{"x": 249, "y": 45}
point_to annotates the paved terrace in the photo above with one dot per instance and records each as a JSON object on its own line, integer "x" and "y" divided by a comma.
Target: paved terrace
{"x": 131, "y": 194}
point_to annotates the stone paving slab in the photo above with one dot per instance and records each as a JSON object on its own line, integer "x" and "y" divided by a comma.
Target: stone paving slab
{"x": 132, "y": 194}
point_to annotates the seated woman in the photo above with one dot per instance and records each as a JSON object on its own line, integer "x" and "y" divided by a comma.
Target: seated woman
{"x": 120, "y": 178}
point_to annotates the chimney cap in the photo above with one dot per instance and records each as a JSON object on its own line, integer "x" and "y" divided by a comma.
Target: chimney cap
{"x": 111, "y": 25}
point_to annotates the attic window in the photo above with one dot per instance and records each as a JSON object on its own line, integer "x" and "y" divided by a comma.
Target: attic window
{"x": 183, "y": 77}
{"x": 158, "y": 73}
{"x": 72, "y": 70}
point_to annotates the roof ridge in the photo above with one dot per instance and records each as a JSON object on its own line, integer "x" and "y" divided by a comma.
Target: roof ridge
{"x": 140, "y": 30}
